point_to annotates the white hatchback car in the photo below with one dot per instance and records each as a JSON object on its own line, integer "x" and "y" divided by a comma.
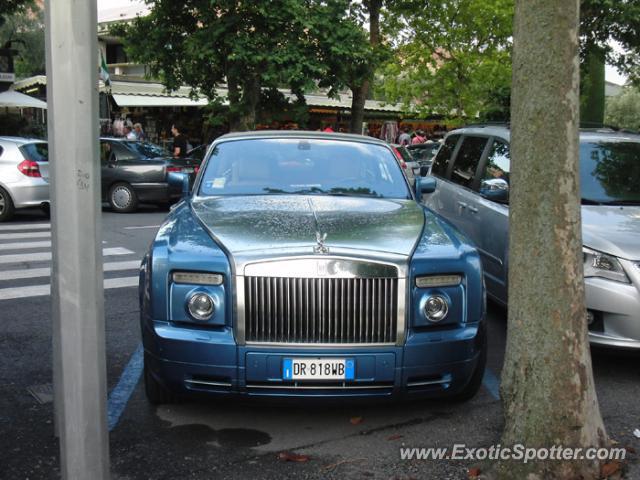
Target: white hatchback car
{"x": 24, "y": 175}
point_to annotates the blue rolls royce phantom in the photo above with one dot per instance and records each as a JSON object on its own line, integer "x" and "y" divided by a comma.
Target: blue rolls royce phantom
{"x": 301, "y": 265}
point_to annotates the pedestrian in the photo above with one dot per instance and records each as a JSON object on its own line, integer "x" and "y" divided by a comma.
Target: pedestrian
{"x": 140, "y": 135}
{"x": 419, "y": 138}
{"x": 179, "y": 142}
{"x": 128, "y": 133}
{"x": 404, "y": 138}
{"x": 328, "y": 129}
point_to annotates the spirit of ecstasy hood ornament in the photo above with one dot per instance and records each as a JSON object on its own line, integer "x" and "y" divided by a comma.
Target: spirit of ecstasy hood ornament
{"x": 321, "y": 247}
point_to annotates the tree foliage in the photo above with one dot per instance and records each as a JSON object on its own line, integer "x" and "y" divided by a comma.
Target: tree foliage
{"x": 24, "y": 32}
{"x": 623, "y": 110}
{"x": 452, "y": 56}
{"x": 619, "y": 20}
{"x": 253, "y": 47}
{"x": 8, "y": 7}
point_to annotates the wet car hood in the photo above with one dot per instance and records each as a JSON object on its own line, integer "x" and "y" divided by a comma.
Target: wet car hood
{"x": 263, "y": 222}
{"x": 612, "y": 230}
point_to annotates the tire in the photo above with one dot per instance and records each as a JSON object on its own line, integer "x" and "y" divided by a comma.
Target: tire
{"x": 123, "y": 198}
{"x": 157, "y": 394}
{"x": 475, "y": 382}
{"x": 7, "y": 208}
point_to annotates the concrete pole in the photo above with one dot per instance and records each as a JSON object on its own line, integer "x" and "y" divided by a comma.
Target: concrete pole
{"x": 77, "y": 291}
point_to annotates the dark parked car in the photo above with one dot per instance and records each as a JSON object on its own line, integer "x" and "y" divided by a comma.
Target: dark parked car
{"x": 136, "y": 172}
{"x": 423, "y": 153}
{"x": 301, "y": 265}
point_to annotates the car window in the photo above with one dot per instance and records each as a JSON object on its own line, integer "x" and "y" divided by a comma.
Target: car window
{"x": 467, "y": 160}
{"x": 1, "y": 150}
{"x": 122, "y": 152}
{"x": 443, "y": 158}
{"x": 494, "y": 182}
{"x": 303, "y": 166}
{"x": 610, "y": 172}
{"x": 38, "y": 152}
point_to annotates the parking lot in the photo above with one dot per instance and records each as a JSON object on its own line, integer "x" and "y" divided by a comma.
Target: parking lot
{"x": 230, "y": 439}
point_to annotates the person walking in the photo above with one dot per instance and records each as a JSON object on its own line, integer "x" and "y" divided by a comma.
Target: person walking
{"x": 140, "y": 135}
{"x": 128, "y": 133}
{"x": 404, "y": 138}
{"x": 179, "y": 142}
{"x": 419, "y": 138}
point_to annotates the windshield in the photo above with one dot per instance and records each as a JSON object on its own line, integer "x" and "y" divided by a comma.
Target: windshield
{"x": 303, "y": 166}
{"x": 610, "y": 172}
{"x": 147, "y": 150}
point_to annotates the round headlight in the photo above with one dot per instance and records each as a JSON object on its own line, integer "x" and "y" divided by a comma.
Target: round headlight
{"x": 201, "y": 306}
{"x": 436, "y": 308}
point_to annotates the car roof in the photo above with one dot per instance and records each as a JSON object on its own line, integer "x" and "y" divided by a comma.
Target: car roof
{"x": 21, "y": 140}
{"x": 586, "y": 134}
{"x": 300, "y": 134}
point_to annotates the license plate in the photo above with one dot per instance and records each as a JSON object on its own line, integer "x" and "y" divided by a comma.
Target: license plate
{"x": 318, "y": 369}
{"x": 187, "y": 170}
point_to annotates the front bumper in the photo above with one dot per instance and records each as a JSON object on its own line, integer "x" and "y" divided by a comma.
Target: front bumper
{"x": 430, "y": 364}
{"x": 616, "y": 307}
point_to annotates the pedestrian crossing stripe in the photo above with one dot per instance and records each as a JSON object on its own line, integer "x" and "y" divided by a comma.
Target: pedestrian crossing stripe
{"x": 46, "y": 272}
{"x": 43, "y": 290}
{"x": 24, "y": 226}
{"x": 24, "y": 235}
{"x": 25, "y": 245}
{"x": 44, "y": 256}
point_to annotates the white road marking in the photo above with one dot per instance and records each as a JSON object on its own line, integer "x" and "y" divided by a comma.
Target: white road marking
{"x": 24, "y": 226}
{"x": 24, "y": 245}
{"x": 43, "y": 256}
{"x": 43, "y": 290}
{"x": 46, "y": 272}
{"x": 19, "y": 236}
{"x": 141, "y": 227}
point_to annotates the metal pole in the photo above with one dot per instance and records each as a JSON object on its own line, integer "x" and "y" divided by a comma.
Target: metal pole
{"x": 77, "y": 291}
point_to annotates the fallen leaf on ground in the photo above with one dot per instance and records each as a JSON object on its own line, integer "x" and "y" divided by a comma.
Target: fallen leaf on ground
{"x": 473, "y": 473}
{"x": 293, "y": 457}
{"x": 356, "y": 420}
{"x": 630, "y": 449}
{"x": 395, "y": 436}
{"x": 609, "y": 469}
{"x": 636, "y": 432}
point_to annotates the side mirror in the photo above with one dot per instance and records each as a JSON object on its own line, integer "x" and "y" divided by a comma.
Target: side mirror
{"x": 425, "y": 185}
{"x": 496, "y": 189}
{"x": 179, "y": 181}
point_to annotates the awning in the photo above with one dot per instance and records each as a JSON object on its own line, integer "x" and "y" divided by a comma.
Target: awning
{"x": 156, "y": 101}
{"x": 13, "y": 99}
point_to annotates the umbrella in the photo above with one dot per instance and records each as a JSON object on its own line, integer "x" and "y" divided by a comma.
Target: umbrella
{"x": 13, "y": 99}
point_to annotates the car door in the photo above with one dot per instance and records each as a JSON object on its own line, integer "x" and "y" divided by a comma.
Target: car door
{"x": 493, "y": 217}
{"x": 443, "y": 198}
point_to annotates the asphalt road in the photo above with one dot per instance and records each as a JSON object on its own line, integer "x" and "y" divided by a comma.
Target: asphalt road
{"x": 223, "y": 439}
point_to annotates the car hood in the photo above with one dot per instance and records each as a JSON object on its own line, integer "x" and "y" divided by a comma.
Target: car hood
{"x": 264, "y": 222}
{"x": 613, "y": 230}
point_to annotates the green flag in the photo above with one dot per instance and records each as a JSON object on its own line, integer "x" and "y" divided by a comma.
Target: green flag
{"x": 104, "y": 71}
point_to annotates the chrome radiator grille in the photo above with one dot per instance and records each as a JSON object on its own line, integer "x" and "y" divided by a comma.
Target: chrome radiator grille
{"x": 321, "y": 310}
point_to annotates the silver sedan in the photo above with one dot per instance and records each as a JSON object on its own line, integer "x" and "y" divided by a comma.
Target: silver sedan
{"x": 24, "y": 175}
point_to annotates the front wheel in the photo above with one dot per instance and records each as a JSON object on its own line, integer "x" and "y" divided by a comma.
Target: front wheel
{"x": 6, "y": 206}
{"x": 123, "y": 198}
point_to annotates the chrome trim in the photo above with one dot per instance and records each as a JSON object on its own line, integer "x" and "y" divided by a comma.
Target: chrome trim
{"x": 209, "y": 383}
{"x": 321, "y": 387}
{"x": 403, "y": 299}
{"x": 240, "y": 309}
{"x": 319, "y": 345}
{"x": 321, "y": 267}
{"x": 429, "y": 382}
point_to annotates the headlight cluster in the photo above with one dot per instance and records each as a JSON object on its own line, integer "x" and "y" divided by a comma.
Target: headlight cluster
{"x": 197, "y": 290}
{"x": 436, "y": 308}
{"x": 597, "y": 264}
{"x": 201, "y": 306}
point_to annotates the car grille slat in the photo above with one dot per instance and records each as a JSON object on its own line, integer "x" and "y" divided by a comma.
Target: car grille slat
{"x": 321, "y": 310}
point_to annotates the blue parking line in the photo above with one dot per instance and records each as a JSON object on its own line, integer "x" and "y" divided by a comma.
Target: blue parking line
{"x": 491, "y": 383}
{"x": 119, "y": 396}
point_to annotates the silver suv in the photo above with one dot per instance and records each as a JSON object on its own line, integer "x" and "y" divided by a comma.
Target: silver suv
{"x": 24, "y": 175}
{"x": 472, "y": 170}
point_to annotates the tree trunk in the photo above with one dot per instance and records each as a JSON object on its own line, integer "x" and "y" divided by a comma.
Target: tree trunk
{"x": 547, "y": 381}
{"x": 360, "y": 91}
